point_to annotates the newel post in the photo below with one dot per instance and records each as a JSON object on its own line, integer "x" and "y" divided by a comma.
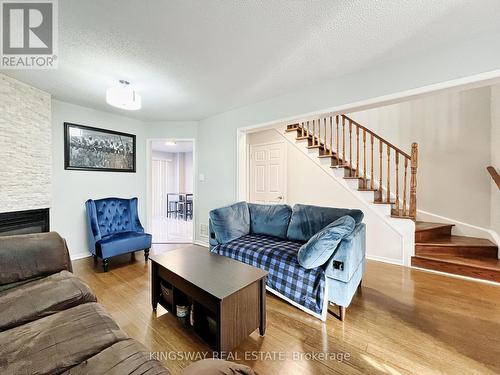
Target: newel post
{"x": 413, "y": 181}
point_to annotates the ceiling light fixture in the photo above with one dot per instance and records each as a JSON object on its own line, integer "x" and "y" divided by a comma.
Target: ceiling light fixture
{"x": 123, "y": 96}
{"x": 170, "y": 143}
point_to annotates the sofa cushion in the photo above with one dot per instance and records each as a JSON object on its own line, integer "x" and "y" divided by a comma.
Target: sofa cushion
{"x": 279, "y": 257}
{"x": 217, "y": 367}
{"x": 27, "y": 256}
{"x": 119, "y": 243}
{"x": 42, "y": 297}
{"x": 58, "y": 342}
{"x": 230, "y": 222}
{"x": 126, "y": 357}
{"x": 307, "y": 220}
{"x": 322, "y": 245}
{"x": 269, "y": 219}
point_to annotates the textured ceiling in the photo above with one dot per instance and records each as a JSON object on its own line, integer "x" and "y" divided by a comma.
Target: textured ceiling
{"x": 191, "y": 59}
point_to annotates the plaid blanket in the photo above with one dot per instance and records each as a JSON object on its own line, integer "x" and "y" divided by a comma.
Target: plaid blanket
{"x": 279, "y": 258}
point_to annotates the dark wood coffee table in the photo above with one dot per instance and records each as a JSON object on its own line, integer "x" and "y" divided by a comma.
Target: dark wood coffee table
{"x": 228, "y": 297}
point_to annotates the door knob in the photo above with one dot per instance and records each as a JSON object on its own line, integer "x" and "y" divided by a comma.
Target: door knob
{"x": 280, "y": 197}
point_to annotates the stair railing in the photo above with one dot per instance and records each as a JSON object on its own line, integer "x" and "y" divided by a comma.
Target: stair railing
{"x": 393, "y": 175}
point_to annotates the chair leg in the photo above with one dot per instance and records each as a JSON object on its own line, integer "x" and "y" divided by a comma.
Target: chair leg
{"x": 105, "y": 264}
{"x": 342, "y": 313}
{"x": 146, "y": 254}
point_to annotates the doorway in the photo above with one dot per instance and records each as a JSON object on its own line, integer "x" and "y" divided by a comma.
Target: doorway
{"x": 172, "y": 191}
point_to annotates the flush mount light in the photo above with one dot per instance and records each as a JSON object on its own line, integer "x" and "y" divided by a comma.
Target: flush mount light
{"x": 123, "y": 96}
{"x": 170, "y": 143}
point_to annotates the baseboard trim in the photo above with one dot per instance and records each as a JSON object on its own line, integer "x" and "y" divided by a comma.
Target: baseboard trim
{"x": 201, "y": 243}
{"x": 79, "y": 255}
{"x": 397, "y": 262}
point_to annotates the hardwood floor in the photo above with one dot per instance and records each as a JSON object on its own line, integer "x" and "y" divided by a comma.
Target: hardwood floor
{"x": 402, "y": 321}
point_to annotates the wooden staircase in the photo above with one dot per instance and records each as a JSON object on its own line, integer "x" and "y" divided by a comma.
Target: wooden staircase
{"x": 366, "y": 157}
{"x": 391, "y": 174}
{"x": 437, "y": 249}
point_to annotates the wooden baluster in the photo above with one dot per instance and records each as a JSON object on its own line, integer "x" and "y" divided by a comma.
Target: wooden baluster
{"x": 303, "y": 130}
{"x": 343, "y": 140}
{"x": 324, "y": 128}
{"x": 308, "y": 129}
{"x": 326, "y": 133}
{"x": 364, "y": 158}
{"x": 319, "y": 132}
{"x": 397, "y": 183}
{"x": 338, "y": 140}
{"x": 413, "y": 181}
{"x": 314, "y": 132}
{"x": 350, "y": 148}
{"x": 372, "y": 177}
{"x": 404, "y": 186}
{"x": 380, "y": 149}
{"x": 357, "y": 151}
{"x": 331, "y": 135}
{"x": 388, "y": 198}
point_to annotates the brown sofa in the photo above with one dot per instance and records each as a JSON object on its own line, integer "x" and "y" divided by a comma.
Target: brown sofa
{"x": 51, "y": 323}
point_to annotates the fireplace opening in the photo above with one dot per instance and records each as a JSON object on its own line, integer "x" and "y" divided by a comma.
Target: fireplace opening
{"x": 24, "y": 222}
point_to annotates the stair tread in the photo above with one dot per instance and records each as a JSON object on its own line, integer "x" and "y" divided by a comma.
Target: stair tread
{"x": 355, "y": 178}
{"x": 383, "y": 202}
{"x": 328, "y": 156}
{"x": 425, "y": 225}
{"x": 458, "y": 241}
{"x": 367, "y": 189}
{"x": 489, "y": 263}
{"x": 340, "y": 166}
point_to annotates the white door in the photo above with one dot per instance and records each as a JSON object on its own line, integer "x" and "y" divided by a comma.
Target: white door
{"x": 267, "y": 173}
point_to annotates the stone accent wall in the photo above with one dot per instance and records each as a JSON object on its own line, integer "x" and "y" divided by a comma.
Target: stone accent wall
{"x": 25, "y": 146}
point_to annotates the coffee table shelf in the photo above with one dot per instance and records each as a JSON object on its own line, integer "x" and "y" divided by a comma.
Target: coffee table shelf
{"x": 228, "y": 296}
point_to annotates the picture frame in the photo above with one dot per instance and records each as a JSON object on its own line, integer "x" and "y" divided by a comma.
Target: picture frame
{"x": 88, "y": 148}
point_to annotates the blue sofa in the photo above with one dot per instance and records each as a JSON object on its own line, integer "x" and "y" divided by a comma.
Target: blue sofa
{"x": 114, "y": 228}
{"x": 314, "y": 255}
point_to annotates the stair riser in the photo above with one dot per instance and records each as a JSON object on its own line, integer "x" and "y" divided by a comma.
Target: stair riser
{"x": 470, "y": 251}
{"x": 462, "y": 270}
{"x": 431, "y": 234}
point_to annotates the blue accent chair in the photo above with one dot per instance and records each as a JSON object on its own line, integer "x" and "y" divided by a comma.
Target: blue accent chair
{"x": 304, "y": 226}
{"x": 114, "y": 228}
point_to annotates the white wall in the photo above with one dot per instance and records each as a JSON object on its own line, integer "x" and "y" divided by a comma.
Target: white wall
{"x": 218, "y": 134}
{"x": 453, "y": 131}
{"x": 25, "y": 143}
{"x": 70, "y": 189}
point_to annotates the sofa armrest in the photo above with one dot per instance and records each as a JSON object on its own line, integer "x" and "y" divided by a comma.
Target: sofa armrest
{"x": 350, "y": 253}
{"x": 134, "y": 216}
{"x": 93, "y": 232}
{"x": 31, "y": 256}
{"x": 212, "y": 239}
